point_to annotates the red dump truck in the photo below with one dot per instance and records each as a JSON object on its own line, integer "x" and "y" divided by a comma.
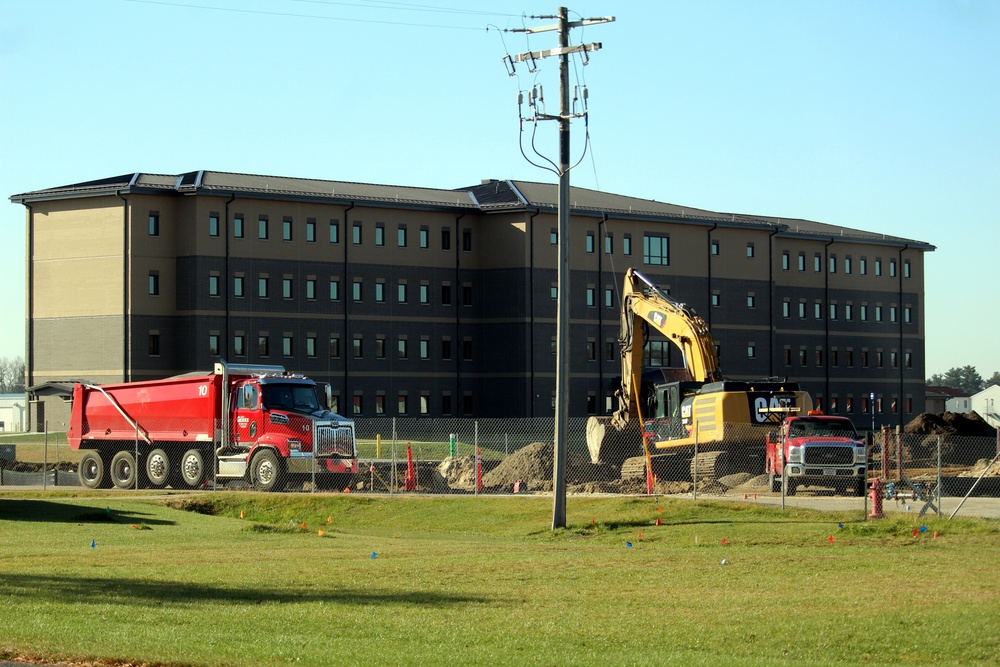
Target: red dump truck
{"x": 257, "y": 424}
{"x": 817, "y": 450}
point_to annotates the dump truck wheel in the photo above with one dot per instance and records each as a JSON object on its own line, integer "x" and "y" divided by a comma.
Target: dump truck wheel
{"x": 266, "y": 471}
{"x": 193, "y": 468}
{"x": 123, "y": 470}
{"x": 91, "y": 471}
{"x": 158, "y": 468}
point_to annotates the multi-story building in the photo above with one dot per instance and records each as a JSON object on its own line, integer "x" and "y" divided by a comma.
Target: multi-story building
{"x": 426, "y": 302}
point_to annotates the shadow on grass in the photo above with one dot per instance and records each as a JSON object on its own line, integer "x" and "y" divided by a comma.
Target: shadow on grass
{"x": 16, "y": 509}
{"x": 146, "y": 593}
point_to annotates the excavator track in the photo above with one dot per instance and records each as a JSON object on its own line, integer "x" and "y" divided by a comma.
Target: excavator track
{"x": 708, "y": 467}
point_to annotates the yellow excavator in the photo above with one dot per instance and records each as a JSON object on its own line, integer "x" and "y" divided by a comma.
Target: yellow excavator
{"x": 688, "y": 410}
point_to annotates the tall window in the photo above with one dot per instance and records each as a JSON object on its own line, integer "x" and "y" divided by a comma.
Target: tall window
{"x": 425, "y": 237}
{"x": 286, "y": 229}
{"x": 154, "y": 344}
{"x": 334, "y": 346}
{"x": 334, "y": 289}
{"x": 467, "y": 240}
{"x": 656, "y": 249}
{"x": 356, "y": 289}
{"x": 154, "y": 224}
{"x": 627, "y": 245}
{"x": 262, "y": 288}
{"x": 262, "y": 227}
{"x": 590, "y": 243}
{"x": 213, "y": 345}
{"x": 401, "y": 292}
{"x": 356, "y": 231}
{"x": 286, "y": 346}
{"x": 154, "y": 283}
{"x": 238, "y": 286}
{"x": 213, "y": 285}
{"x": 401, "y": 236}
{"x": 379, "y": 234}
{"x": 311, "y": 289}
{"x": 238, "y": 227}
{"x": 262, "y": 345}
{"x": 334, "y": 231}
{"x": 310, "y": 230}
{"x": 239, "y": 345}
{"x": 609, "y": 245}
{"x": 750, "y": 250}
{"x": 785, "y": 260}
{"x": 445, "y": 238}
{"x": 213, "y": 224}
{"x": 286, "y": 288}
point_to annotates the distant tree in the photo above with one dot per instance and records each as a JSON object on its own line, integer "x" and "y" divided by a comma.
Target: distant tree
{"x": 966, "y": 378}
{"x": 994, "y": 380}
{"x": 11, "y": 375}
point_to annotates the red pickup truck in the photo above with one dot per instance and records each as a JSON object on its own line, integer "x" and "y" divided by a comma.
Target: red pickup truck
{"x": 817, "y": 450}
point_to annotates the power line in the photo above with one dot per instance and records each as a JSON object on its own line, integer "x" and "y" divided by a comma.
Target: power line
{"x": 237, "y": 10}
{"x": 406, "y": 6}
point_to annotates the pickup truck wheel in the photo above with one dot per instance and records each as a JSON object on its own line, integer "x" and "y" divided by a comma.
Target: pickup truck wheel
{"x": 860, "y": 488}
{"x": 123, "y": 470}
{"x": 775, "y": 481}
{"x": 193, "y": 468}
{"x": 793, "y": 486}
{"x": 158, "y": 468}
{"x": 266, "y": 471}
{"x": 91, "y": 471}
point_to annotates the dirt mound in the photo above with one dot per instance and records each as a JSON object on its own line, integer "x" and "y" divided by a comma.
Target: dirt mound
{"x": 969, "y": 425}
{"x": 458, "y": 472}
{"x": 532, "y": 465}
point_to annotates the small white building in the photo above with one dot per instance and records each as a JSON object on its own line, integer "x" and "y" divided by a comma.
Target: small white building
{"x": 13, "y": 413}
{"x": 961, "y": 404}
{"x": 987, "y": 405}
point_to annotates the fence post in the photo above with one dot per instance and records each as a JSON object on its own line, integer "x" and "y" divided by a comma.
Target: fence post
{"x": 45, "y": 457}
{"x": 136, "y": 470}
{"x": 939, "y": 475}
{"x": 694, "y": 463}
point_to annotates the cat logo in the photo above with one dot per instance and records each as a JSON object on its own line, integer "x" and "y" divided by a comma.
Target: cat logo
{"x": 657, "y": 318}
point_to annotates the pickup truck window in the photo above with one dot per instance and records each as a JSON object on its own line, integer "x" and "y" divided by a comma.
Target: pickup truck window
{"x": 827, "y": 428}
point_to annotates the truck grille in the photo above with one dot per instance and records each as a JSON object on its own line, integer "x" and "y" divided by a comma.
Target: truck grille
{"x": 335, "y": 440}
{"x": 829, "y": 455}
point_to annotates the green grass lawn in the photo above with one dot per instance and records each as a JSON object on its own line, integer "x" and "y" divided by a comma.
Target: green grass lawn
{"x": 465, "y": 580}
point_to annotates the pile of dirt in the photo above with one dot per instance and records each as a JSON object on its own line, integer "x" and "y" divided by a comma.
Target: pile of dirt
{"x": 532, "y": 465}
{"x": 458, "y": 472}
{"x": 983, "y": 468}
{"x": 969, "y": 425}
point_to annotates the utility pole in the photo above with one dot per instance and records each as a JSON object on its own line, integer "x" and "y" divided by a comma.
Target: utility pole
{"x": 562, "y": 301}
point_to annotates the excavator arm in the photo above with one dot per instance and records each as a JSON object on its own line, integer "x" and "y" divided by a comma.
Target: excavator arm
{"x": 644, "y": 304}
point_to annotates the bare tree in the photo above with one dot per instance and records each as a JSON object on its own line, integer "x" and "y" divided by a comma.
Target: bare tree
{"x": 11, "y": 375}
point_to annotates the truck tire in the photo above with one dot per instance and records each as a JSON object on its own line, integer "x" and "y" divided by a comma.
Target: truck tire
{"x": 193, "y": 468}
{"x": 793, "y": 486}
{"x": 266, "y": 471}
{"x": 775, "y": 481}
{"x": 91, "y": 471}
{"x": 123, "y": 470}
{"x": 860, "y": 488}
{"x": 158, "y": 468}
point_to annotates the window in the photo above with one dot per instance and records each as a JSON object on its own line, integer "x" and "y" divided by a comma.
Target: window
{"x": 335, "y": 231}
{"x": 609, "y": 298}
{"x": 467, "y": 350}
{"x": 238, "y": 227}
{"x": 239, "y": 345}
{"x": 425, "y": 404}
{"x": 286, "y": 229}
{"x": 864, "y": 358}
{"x": 878, "y": 358}
{"x": 892, "y": 313}
{"x": 425, "y": 348}
{"x": 424, "y": 292}
{"x": 847, "y": 264}
{"x": 834, "y": 357}
{"x": 818, "y": 311}
{"x": 878, "y": 313}
{"x": 893, "y": 359}
{"x": 213, "y": 345}
{"x": 286, "y": 288}
{"x": 656, "y": 249}
{"x": 863, "y": 266}
{"x": 906, "y": 268}
{"x": 788, "y": 356}
{"x": 358, "y": 348}
{"x": 751, "y": 301}
{"x": 311, "y": 289}
{"x": 154, "y": 224}
{"x": 802, "y": 310}
{"x": 334, "y": 289}
{"x": 446, "y": 348}
{"x": 802, "y": 261}
{"x": 466, "y": 295}
{"x": 154, "y": 283}
{"x": 213, "y": 224}
{"x": 262, "y": 345}
{"x": 357, "y": 404}
{"x": 401, "y": 292}
{"x": 445, "y": 238}
{"x": 803, "y": 357}
{"x": 751, "y": 351}
{"x": 379, "y": 234}
{"x": 425, "y": 238}
{"x": 379, "y": 291}
{"x": 610, "y": 348}
{"x": 554, "y": 291}
{"x": 335, "y": 347}
{"x": 356, "y": 289}
{"x": 310, "y": 230}
{"x": 591, "y": 350}
{"x": 627, "y": 245}
{"x": 907, "y": 314}
{"x": 785, "y": 260}
{"x": 401, "y": 403}
{"x": 848, "y": 312}
{"x": 286, "y": 345}
{"x": 819, "y": 357}
{"x": 833, "y": 311}
{"x": 262, "y": 288}
{"x": 750, "y": 250}
{"x": 786, "y": 309}
{"x": 715, "y": 247}
{"x": 467, "y": 240}
{"x": 864, "y": 313}
{"x": 591, "y": 297}
{"x": 445, "y": 294}
{"x": 262, "y": 227}
{"x": 878, "y": 266}
{"x": 892, "y": 268}
{"x": 609, "y": 245}
{"x": 213, "y": 285}
{"x": 590, "y": 243}
{"x": 716, "y": 299}
{"x": 238, "y": 287}
{"x": 356, "y": 231}
{"x": 401, "y": 348}
{"x": 817, "y": 263}
{"x": 850, "y": 358}
{"x": 154, "y": 344}
{"x": 380, "y": 346}
{"x": 446, "y": 404}
{"x": 833, "y": 263}
{"x": 908, "y": 359}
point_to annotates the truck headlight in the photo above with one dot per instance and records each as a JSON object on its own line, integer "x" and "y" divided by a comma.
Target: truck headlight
{"x": 295, "y": 444}
{"x": 795, "y": 455}
{"x": 860, "y": 455}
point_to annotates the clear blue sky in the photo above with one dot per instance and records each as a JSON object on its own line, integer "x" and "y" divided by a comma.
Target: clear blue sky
{"x": 879, "y": 115}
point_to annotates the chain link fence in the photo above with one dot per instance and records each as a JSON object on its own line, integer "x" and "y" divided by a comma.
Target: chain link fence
{"x": 511, "y": 456}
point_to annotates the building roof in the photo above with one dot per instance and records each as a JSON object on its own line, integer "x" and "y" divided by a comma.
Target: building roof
{"x": 950, "y": 392}
{"x": 490, "y": 196}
